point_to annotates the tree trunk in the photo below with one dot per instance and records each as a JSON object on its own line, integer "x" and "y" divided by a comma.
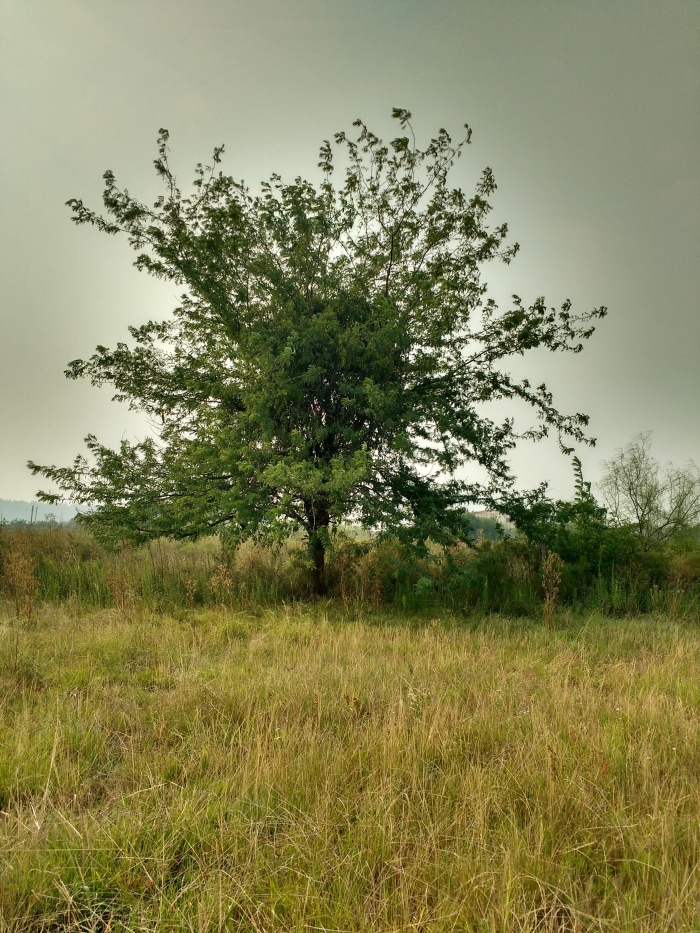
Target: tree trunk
{"x": 318, "y": 521}
{"x": 317, "y": 551}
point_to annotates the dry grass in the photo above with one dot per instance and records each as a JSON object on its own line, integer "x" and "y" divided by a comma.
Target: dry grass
{"x": 292, "y": 770}
{"x": 18, "y": 579}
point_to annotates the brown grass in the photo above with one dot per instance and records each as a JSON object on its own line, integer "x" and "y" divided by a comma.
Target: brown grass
{"x": 301, "y": 770}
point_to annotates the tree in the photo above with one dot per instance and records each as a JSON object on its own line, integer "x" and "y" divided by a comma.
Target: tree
{"x": 578, "y": 530}
{"x": 658, "y": 502}
{"x": 329, "y": 359}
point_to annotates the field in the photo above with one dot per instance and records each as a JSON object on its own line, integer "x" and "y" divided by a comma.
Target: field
{"x": 306, "y": 768}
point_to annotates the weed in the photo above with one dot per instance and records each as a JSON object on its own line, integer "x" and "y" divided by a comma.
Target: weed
{"x": 552, "y": 567}
{"x": 18, "y": 576}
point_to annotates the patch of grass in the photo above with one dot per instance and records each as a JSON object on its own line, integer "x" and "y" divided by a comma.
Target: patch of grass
{"x": 301, "y": 769}
{"x": 510, "y": 577}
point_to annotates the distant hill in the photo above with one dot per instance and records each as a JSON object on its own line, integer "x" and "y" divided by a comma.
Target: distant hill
{"x": 17, "y": 510}
{"x": 488, "y": 523}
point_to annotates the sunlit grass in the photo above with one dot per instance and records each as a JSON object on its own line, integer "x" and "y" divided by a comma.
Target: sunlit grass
{"x": 299, "y": 769}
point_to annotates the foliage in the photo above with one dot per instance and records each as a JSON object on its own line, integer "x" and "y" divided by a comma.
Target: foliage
{"x": 363, "y": 574}
{"x": 605, "y": 563}
{"x": 659, "y": 503}
{"x": 330, "y": 358}
{"x": 577, "y": 530}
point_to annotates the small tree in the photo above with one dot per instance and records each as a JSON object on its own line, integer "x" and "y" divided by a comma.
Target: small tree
{"x": 330, "y": 357}
{"x": 658, "y": 502}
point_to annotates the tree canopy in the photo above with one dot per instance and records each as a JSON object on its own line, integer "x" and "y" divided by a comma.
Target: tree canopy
{"x": 330, "y": 358}
{"x": 660, "y": 503}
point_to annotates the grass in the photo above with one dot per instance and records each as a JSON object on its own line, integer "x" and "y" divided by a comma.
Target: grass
{"x": 305, "y": 769}
{"x": 511, "y": 577}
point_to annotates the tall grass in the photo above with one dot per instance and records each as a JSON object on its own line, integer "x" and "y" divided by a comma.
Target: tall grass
{"x": 510, "y": 577}
{"x": 291, "y": 769}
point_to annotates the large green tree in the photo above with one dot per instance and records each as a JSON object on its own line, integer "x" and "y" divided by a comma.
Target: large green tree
{"x": 330, "y": 357}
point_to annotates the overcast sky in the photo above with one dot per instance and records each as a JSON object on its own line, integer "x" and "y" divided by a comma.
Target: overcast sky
{"x": 587, "y": 112}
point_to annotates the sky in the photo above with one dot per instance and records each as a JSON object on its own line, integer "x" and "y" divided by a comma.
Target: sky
{"x": 587, "y": 112}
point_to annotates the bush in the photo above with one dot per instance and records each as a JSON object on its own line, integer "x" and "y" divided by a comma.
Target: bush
{"x": 602, "y": 567}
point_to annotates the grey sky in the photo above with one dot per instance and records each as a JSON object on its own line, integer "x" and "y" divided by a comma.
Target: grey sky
{"x": 588, "y": 113}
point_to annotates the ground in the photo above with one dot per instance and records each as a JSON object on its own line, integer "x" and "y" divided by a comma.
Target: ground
{"x": 307, "y": 768}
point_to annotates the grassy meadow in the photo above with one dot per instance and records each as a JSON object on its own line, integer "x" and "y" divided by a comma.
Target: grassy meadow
{"x": 326, "y": 767}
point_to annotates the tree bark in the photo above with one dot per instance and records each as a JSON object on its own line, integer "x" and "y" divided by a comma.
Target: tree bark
{"x": 318, "y": 521}
{"x": 317, "y": 550}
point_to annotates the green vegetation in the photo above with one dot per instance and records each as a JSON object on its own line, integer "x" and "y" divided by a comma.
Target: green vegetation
{"x": 315, "y": 769}
{"x": 471, "y": 730}
{"x": 462, "y": 740}
{"x": 601, "y": 569}
{"x": 331, "y": 359}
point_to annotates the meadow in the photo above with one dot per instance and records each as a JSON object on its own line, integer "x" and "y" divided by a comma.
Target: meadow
{"x": 326, "y": 766}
